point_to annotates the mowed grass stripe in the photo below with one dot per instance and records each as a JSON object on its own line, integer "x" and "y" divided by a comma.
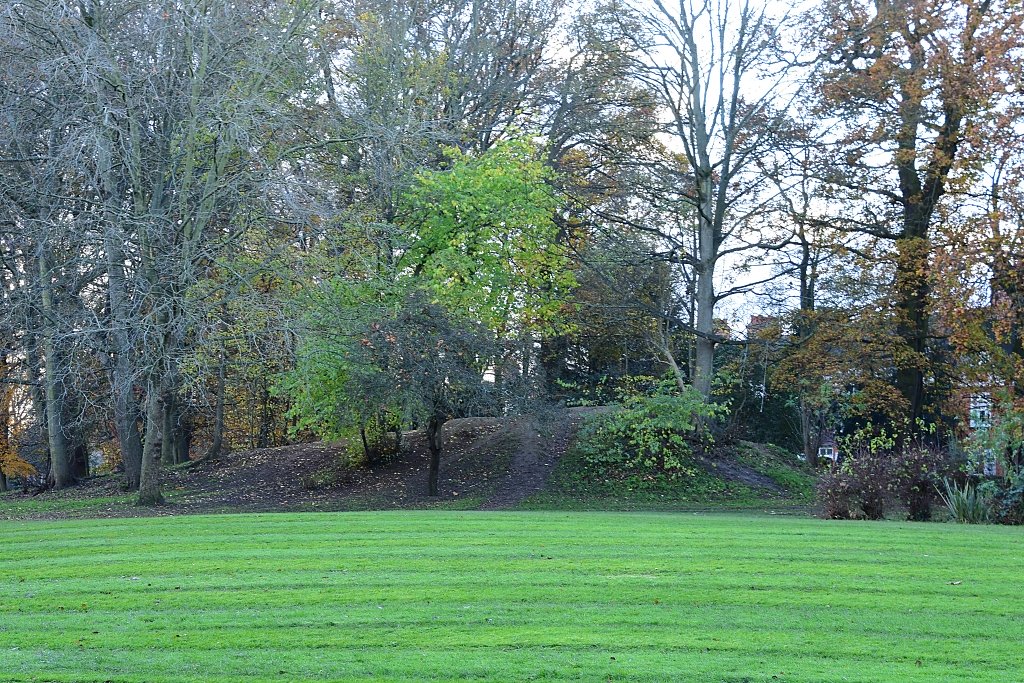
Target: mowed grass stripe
{"x": 508, "y": 596}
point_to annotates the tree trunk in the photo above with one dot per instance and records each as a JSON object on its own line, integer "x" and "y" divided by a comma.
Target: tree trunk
{"x": 704, "y": 353}
{"x": 183, "y": 439}
{"x": 810, "y": 425}
{"x": 149, "y": 481}
{"x": 35, "y": 389}
{"x": 811, "y": 433}
{"x": 60, "y": 464}
{"x": 266, "y": 420}
{"x": 663, "y": 345}
{"x": 126, "y": 422}
{"x": 6, "y": 428}
{"x": 912, "y": 292}
{"x": 218, "y": 418}
{"x": 434, "y": 426}
{"x": 169, "y": 429}
{"x": 122, "y": 384}
{"x": 80, "y": 460}
{"x": 366, "y": 444}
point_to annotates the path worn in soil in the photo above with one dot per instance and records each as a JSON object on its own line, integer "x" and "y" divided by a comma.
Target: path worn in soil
{"x": 540, "y": 444}
{"x": 731, "y": 470}
{"x": 483, "y": 459}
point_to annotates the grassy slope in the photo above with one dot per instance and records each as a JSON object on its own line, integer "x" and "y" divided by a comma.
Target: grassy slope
{"x": 572, "y": 487}
{"x": 508, "y": 596}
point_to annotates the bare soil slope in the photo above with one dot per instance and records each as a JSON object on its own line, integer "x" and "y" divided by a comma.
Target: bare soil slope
{"x": 487, "y": 463}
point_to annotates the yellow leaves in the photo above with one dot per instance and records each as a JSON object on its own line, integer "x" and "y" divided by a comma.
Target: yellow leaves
{"x": 13, "y": 466}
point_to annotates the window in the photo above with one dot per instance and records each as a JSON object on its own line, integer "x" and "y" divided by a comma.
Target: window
{"x": 980, "y": 413}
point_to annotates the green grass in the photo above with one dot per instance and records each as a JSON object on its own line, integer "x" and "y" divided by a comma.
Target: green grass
{"x": 430, "y": 596}
{"x": 13, "y": 505}
{"x": 779, "y": 465}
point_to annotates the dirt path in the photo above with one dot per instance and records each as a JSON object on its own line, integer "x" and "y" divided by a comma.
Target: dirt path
{"x": 540, "y": 444}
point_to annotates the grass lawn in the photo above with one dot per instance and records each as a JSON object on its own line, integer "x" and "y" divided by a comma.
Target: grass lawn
{"x": 509, "y": 596}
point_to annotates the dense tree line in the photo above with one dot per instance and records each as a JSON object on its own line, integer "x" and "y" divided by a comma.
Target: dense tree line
{"x": 227, "y": 225}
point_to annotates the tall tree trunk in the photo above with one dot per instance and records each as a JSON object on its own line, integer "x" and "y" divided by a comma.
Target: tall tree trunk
{"x": 177, "y": 431}
{"x": 810, "y": 431}
{"x": 149, "y": 480}
{"x": 218, "y": 415}
{"x": 912, "y": 292}
{"x": 78, "y": 447}
{"x": 80, "y": 460}
{"x": 35, "y": 384}
{"x": 434, "y": 425}
{"x": 183, "y": 439}
{"x": 810, "y": 424}
{"x": 704, "y": 353}
{"x": 122, "y": 381}
{"x": 169, "y": 429}
{"x": 126, "y": 421}
{"x": 60, "y": 464}
{"x": 266, "y": 419}
{"x": 6, "y": 428}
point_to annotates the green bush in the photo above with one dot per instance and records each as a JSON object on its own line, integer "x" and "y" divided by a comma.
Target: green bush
{"x": 1006, "y": 500}
{"x": 652, "y": 435}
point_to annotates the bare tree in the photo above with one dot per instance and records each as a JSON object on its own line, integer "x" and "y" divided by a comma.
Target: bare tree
{"x": 714, "y": 67}
{"x": 171, "y": 108}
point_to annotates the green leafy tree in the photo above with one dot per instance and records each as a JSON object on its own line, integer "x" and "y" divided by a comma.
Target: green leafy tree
{"x": 483, "y": 237}
{"x": 480, "y": 272}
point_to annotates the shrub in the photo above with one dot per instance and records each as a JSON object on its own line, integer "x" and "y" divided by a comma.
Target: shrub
{"x": 1006, "y": 501}
{"x": 856, "y": 488}
{"x": 863, "y": 486}
{"x": 915, "y": 472}
{"x": 654, "y": 435}
{"x": 966, "y": 505}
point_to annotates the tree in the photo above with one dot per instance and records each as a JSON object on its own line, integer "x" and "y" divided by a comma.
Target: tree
{"x": 979, "y": 286}
{"x": 715, "y": 71}
{"x": 405, "y": 80}
{"x": 600, "y": 125}
{"x": 480, "y": 258}
{"x": 901, "y": 86}
{"x": 155, "y": 124}
{"x": 434, "y": 364}
{"x": 483, "y": 238}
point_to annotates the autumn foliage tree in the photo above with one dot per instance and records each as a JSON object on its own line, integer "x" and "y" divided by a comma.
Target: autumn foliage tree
{"x": 901, "y": 89}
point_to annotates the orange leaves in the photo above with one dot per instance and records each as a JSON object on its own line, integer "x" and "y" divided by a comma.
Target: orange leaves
{"x": 13, "y": 466}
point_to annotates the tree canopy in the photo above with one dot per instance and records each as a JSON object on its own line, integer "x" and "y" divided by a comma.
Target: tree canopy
{"x": 229, "y": 226}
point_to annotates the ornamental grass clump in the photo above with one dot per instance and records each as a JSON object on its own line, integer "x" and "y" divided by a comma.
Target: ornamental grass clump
{"x": 966, "y": 504}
